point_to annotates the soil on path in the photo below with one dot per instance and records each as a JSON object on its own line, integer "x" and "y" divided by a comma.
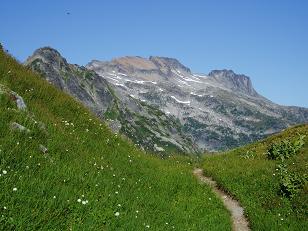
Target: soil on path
{"x": 239, "y": 221}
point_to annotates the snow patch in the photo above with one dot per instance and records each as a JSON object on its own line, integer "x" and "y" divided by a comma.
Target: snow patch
{"x": 179, "y": 101}
{"x": 120, "y": 85}
{"x": 133, "y": 96}
{"x": 200, "y": 76}
{"x": 183, "y": 82}
{"x": 192, "y": 80}
{"x": 192, "y": 93}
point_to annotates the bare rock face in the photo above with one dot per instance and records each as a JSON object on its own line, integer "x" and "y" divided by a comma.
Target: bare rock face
{"x": 237, "y": 83}
{"x": 159, "y": 102}
{"x": 144, "y": 124}
{"x": 85, "y": 85}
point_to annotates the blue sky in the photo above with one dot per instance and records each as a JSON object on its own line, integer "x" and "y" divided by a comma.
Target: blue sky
{"x": 266, "y": 40}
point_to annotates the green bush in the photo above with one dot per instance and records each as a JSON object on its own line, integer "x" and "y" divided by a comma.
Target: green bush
{"x": 290, "y": 183}
{"x": 285, "y": 149}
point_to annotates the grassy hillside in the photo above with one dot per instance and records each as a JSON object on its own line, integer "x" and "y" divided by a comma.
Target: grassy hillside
{"x": 89, "y": 179}
{"x": 262, "y": 185}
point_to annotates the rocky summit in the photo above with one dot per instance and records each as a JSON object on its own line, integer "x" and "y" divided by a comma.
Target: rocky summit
{"x": 162, "y": 106}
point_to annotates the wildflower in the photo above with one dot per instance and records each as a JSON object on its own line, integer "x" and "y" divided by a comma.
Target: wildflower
{"x": 14, "y": 189}
{"x": 117, "y": 214}
{"x": 147, "y": 226}
{"x": 54, "y": 197}
{"x": 4, "y": 207}
{"x": 79, "y": 200}
{"x": 84, "y": 202}
{"x": 116, "y": 192}
{"x": 4, "y": 172}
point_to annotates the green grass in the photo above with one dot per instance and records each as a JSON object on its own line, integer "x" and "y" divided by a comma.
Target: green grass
{"x": 248, "y": 175}
{"x": 86, "y": 161}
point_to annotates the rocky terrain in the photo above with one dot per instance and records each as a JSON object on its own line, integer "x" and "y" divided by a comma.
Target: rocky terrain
{"x": 162, "y": 105}
{"x": 146, "y": 125}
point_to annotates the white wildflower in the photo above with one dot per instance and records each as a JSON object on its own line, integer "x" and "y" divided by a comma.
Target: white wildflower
{"x": 117, "y": 214}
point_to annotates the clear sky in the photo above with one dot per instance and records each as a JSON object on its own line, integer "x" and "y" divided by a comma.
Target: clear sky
{"x": 264, "y": 39}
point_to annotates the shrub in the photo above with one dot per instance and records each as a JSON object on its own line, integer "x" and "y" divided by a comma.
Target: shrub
{"x": 285, "y": 149}
{"x": 290, "y": 183}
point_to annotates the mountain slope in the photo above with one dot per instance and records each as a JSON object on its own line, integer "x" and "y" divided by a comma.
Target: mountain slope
{"x": 216, "y": 111}
{"x": 274, "y": 193}
{"x": 62, "y": 169}
{"x": 219, "y": 110}
{"x": 144, "y": 124}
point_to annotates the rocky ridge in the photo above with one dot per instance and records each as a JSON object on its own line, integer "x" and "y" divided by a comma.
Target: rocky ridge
{"x": 161, "y": 105}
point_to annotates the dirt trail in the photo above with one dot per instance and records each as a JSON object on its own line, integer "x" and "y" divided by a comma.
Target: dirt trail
{"x": 239, "y": 221}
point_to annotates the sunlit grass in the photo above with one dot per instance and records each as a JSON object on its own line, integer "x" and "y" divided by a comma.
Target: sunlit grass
{"x": 252, "y": 178}
{"x": 90, "y": 179}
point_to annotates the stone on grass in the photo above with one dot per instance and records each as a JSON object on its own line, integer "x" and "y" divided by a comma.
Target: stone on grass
{"x": 43, "y": 149}
{"x": 19, "y": 127}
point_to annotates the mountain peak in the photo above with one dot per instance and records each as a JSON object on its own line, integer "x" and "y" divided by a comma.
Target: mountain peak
{"x": 47, "y": 55}
{"x": 236, "y": 82}
{"x": 163, "y": 62}
{"x": 47, "y": 52}
{"x": 134, "y": 62}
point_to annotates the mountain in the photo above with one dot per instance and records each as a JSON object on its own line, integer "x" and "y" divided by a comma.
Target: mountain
{"x": 61, "y": 168}
{"x": 159, "y": 99}
{"x": 147, "y": 126}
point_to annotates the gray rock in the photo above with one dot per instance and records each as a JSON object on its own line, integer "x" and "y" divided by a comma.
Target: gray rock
{"x": 43, "y": 149}
{"x": 159, "y": 149}
{"x": 19, "y": 127}
{"x": 20, "y": 103}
